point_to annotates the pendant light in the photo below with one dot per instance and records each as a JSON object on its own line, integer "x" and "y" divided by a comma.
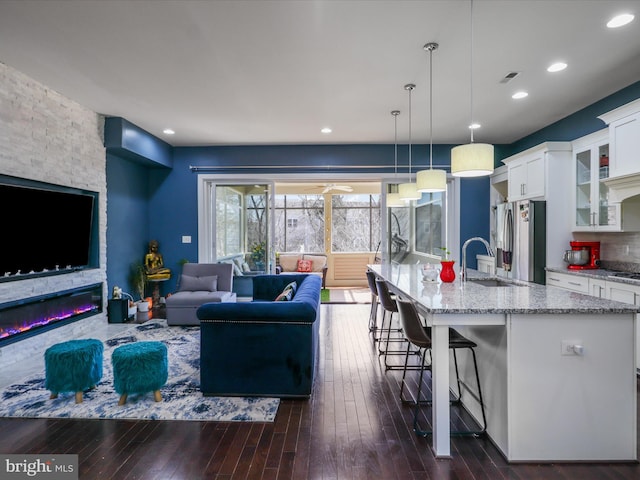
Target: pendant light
{"x": 393, "y": 197}
{"x": 472, "y": 159}
{"x": 409, "y": 191}
{"x": 431, "y": 180}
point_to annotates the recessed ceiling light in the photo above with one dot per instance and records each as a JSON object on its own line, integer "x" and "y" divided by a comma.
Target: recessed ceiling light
{"x": 168, "y": 131}
{"x": 474, "y": 126}
{"x": 620, "y": 20}
{"x": 326, "y": 130}
{"x": 557, "y": 67}
{"x": 519, "y": 95}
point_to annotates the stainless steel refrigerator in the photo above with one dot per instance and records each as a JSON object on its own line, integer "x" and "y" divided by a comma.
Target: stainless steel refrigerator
{"x": 522, "y": 234}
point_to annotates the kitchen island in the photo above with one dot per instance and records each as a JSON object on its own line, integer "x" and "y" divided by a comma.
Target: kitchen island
{"x": 557, "y": 368}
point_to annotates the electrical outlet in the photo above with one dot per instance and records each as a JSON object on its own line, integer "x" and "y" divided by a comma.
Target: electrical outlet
{"x": 571, "y": 347}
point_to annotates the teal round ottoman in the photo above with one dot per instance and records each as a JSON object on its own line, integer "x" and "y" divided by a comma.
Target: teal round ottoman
{"x": 73, "y": 366}
{"x": 139, "y": 367}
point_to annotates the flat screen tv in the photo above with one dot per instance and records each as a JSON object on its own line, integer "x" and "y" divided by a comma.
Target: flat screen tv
{"x": 44, "y": 229}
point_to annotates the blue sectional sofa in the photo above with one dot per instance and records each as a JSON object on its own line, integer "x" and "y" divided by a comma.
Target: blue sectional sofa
{"x": 264, "y": 347}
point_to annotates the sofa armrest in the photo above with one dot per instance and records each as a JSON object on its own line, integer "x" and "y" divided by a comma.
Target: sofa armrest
{"x": 257, "y": 312}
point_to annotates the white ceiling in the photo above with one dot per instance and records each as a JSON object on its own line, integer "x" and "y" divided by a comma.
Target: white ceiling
{"x": 275, "y": 72}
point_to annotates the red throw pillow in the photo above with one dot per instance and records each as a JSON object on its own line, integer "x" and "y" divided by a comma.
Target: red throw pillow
{"x": 304, "y": 266}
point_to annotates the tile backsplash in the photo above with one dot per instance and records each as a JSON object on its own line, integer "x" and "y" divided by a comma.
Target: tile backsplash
{"x": 618, "y": 250}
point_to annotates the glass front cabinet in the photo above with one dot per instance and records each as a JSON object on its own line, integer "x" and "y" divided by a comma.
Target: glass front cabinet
{"x": 592, "y": 209}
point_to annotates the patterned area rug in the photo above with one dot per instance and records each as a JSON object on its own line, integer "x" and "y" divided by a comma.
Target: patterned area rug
{"x": 181, "y": 396}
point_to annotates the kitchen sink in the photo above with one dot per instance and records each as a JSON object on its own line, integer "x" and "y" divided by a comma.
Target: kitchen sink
{"x": 494, "y": 282}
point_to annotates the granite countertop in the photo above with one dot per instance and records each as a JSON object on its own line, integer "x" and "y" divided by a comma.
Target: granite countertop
{"x": 599, "y": 273}
{"x": 473, "y": 298}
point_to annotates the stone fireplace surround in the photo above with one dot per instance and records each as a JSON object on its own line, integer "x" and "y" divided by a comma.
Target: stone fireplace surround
{"x": 49, "y": 138}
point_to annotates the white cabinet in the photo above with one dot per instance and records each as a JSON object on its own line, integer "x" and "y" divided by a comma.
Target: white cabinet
{"x": 543, "y": 172}
{"x": 598, "y": 288}
{"x": 540, "y": 172}
{"x": 526, "y": 177}
{"x": 624, "y": 137}
{"x": 590, "y": 194}
{"x": 623, "y": 292}
{"x": 568, "y": 282}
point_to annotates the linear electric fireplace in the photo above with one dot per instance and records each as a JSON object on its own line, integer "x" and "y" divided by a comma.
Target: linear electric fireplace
{"x": 32, "y": 316}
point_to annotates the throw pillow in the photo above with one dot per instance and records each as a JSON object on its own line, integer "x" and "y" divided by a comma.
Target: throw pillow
{"x": 293, "y": 286}
{"x": 304, "y": 266}
{"x": 286, "y": 295}
{"x": 245, "y": 267}
{"x": 198, "y": 284}
{"x": 236, "y": 269}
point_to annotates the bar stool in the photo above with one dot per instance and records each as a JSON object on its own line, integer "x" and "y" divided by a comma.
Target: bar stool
{"x": 420, "y": 336}
{"x": 389, "y": 307}
{"x": 373, "y": 314}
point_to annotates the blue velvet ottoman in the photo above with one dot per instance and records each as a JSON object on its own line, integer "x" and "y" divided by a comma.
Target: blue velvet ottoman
{"x": 73, "y": 366}
{"x": 139, "y": 367}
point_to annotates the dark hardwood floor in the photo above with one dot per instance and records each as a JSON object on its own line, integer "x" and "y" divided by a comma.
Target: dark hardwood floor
{"x": 353, "y": 427}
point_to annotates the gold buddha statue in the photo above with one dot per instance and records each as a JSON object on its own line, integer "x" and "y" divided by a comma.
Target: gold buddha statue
{"x": 154, "y": 264}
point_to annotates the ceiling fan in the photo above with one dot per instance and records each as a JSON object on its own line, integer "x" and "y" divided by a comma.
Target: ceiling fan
{"x": 328, "y": 187}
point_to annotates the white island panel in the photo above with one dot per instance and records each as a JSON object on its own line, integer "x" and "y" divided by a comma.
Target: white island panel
{"x": 571, "y": 407}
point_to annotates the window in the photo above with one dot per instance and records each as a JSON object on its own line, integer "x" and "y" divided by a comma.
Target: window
{"x": 228, "y": 221}
{"x": 430, "y": 223}
{"x": 299, "y": 223}
{"x": 399, "y": 222}
{"x": 241, "y": 217}
{"x": 355, "y": 223}
{"x": 257, "y": 220}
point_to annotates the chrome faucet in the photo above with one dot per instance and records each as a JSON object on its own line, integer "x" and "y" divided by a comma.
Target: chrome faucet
{"x": 463, "y": 269}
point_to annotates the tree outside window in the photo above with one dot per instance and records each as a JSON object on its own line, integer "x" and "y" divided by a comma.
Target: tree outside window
{"x": 299, "y": 223}
{"x": 355, "y": 223}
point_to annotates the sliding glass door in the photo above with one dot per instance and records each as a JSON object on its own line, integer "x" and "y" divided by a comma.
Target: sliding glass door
{"x": 235, "y": 224}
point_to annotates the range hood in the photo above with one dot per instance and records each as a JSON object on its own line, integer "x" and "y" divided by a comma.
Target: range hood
{"x": 621, "y": 188}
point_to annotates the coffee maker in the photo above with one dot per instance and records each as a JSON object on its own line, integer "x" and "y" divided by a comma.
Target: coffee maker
{"x": 593, "y": 249}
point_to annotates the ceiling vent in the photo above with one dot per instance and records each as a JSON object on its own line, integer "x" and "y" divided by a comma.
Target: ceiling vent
{"x": 509, "y": 76}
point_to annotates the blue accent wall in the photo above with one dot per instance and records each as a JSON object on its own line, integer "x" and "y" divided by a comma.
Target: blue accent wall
{"x": 127, "y": 219}
{"x": 577, "y": 125}
{"x": 152, "y": 193}
{"x": 474, "y": 216}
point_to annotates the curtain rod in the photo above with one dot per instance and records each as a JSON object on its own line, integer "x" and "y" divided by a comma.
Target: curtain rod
{"x": 200, "y": 168}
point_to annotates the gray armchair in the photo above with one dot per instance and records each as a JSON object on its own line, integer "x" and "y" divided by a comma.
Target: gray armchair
{"x": 199, "y": 283}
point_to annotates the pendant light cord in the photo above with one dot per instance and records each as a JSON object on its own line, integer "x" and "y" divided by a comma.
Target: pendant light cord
{"x": 410, "y": 87}
{"x": 395, "y": 114}
{"x": 431, "y": 108}
{"x": 471, "y": 68}
{"x": 410, "y": 134}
